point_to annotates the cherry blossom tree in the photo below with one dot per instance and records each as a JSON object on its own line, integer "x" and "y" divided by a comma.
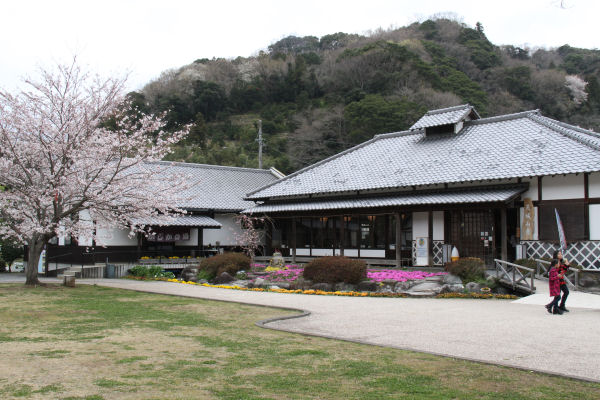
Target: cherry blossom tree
{"x": 249, "y": 237}
{"x": 74, "y": 158}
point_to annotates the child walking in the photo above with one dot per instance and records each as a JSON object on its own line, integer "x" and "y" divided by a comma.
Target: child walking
{"x": 554, "y": 282}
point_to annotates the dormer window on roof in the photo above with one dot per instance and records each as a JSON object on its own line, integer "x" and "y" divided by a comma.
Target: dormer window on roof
{"x": 445, "y": 120}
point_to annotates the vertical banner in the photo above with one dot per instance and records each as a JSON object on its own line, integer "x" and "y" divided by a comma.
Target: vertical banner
{"x": 42, "y": 263}
{"x": 422, "y": 251}
{"x": 561, "y": 233}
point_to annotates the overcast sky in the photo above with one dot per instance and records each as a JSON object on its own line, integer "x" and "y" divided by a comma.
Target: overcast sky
{"x": 146, "y": 37}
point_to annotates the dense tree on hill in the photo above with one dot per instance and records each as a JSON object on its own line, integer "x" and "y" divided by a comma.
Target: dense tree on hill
{"x": 317, "y": 96}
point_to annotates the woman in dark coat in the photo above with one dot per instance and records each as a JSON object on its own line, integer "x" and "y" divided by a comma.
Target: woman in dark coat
{"x": 554, "y": 282}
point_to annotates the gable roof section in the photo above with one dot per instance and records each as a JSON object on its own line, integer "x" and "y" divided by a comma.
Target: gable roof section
{"x": 444, "y": 116}
{"x": 509, "y": 146}
{"x": 219, "y": 188}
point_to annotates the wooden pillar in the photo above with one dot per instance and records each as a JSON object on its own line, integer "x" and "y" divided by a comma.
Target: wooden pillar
{"x": 342, "y": 235}
{"x": 430, "y": 236}
{"x": 293, "y": 241}
{"x": 269, "y": 239}
{"x": 200, "y": 243}
{"x": 398, "y": 240}
{"x": 503, "y": 233}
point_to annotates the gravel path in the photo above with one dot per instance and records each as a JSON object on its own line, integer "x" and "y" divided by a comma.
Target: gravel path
{"x": 517, "y": 334}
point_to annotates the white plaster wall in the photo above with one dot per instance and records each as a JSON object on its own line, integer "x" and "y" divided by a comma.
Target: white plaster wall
{"x": 438, "y": 225}
{"x": 532, "y": 192}
{"x": 420, "y": 223}
{"x": 226, "y": 235}
{"x": 114, "y": 237}
{"x": 84, "y": 216}
{"x": 562, "y": 187}
{"x": 364, "y": 253}
{"x": 193, "y": 241}
{"x": 594, "y": 221}
{"x": 535, "y": 222}
{"x": 594, "y": 184}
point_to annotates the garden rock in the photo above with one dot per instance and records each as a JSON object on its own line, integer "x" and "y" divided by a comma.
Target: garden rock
{"x": 344, "y": 287}
{"x": 240, "y": 283}
{"x": 425, "y": 288}
{"x": 452, "y": 279}
{"x": 452, "y": 288}
{"x": 201, "y": 281}
{"x": 367, "y": 286}
{"x": 224, "y": 278}
{"x": 403, "y": 286}
{"x": 189, "y": 274}
{"x": 282, "y": 285}
{"x": 586, "y": 281}
{"x": 326, "y": 287}
{"x": 301, "y": 283}
{"x": 258, "y": 283}
{"x": 473, "y": 287}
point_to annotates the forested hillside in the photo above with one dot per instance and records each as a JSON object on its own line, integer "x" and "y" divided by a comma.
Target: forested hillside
{"x": 318, "y": 96}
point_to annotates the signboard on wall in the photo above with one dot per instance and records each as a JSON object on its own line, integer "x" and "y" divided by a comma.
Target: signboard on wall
{"x": 173, "y": 234}
{"x": 422, "y": 251}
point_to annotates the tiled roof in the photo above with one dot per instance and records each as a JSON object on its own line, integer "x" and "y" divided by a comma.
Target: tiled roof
{"x": 444, "y": 116}
{"x": 473, "y": 195}
{"x": 510, "y": 146}
{"x": 218, "y": 188}
{"x": 187, "y": 220}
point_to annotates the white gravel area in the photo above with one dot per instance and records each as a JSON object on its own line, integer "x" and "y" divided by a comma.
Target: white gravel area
{"x": 513, "y": 333}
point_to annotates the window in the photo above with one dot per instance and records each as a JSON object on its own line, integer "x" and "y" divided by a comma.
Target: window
{"x": 572, "y": 215}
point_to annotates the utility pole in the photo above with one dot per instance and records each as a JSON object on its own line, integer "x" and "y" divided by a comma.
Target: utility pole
{"x": 260, "y": 144}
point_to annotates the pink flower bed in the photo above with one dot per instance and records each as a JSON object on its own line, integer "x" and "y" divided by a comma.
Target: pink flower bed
{"x": 377, "y": 275}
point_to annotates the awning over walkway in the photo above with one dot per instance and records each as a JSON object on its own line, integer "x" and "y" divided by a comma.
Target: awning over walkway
{"x": 480, "y": 195}
{"x": 201, "y": 221}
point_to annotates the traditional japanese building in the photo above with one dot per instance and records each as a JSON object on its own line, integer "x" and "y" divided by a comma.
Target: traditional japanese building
{"x": 212, "y": 202}
{"x": 483, "y": 185}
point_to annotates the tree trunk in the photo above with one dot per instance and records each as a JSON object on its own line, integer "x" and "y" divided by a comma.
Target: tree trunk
{"x": 34, "y": 251}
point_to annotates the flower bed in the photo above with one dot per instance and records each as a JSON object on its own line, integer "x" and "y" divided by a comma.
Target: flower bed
{"x": 297, "y": 291}
{"x": 291, "y": 272}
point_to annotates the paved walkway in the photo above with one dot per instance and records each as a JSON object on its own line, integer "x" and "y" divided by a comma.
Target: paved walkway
{"x": 519, "y": 333}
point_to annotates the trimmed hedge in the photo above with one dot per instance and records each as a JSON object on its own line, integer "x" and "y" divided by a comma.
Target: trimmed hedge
{"x": 468, "y": 268}
{"x": 228, "y": 262}
{"x": 335, "y": 269}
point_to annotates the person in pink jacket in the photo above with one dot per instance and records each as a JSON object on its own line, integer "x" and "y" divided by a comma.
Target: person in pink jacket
{"x": 554, "y": 276}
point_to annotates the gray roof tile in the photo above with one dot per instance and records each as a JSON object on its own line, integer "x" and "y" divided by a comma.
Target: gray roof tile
{"x": 509, "y": 146}
{"x": 218, "y": 188}
{"x": 186, "y": 220}
{"x": 473, "y": 195}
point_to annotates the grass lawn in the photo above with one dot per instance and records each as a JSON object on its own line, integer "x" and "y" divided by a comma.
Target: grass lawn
{"x": 98, "y": 343}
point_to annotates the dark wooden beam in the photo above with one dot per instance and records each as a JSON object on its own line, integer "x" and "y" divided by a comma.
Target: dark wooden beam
{"x": 294, "y": 241}
{"x": 586, "y": 205}
{"x": 430, "y": 236}
{"x": 503, "y": 233}
{"x": 342, "y": 235}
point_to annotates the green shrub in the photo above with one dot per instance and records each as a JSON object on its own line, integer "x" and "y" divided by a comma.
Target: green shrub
{"x": 228, "y": 262}
{"x": 527, "y": 262}
{"x": 335, "y": 269}
{"x": 469, "y": 269}
{"x": 152, "y": 271}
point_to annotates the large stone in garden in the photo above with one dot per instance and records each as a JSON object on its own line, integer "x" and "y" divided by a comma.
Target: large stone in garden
{"x": 473, "y": 287}
{"x": 452, "y": 288}
{"x": 240, "y": 283}
{"x": 452, "y": 279}
{"x": 224, "y": 278}
{"x": 403, "y": 286}
{"x": 431, "y": 288}
{"x": 367, "y": 286}
{"x": 389, "y": 282}
{"x": 301, "y": 283}
{"x": 344, "y": 287}
{"x": 282, "y": 285}
{"x": 189, "y": 274}
{"x": 259, "y": 283}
